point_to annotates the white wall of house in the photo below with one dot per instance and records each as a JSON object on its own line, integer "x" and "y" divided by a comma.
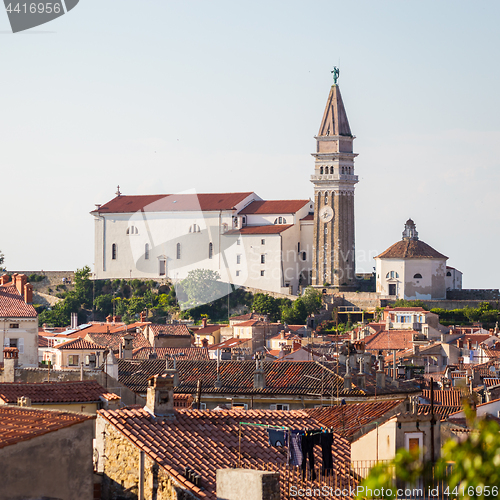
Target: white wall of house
{"x": 378, "y": 444}
{"x": 414, "y": 279}
{"x": 453, "y": 279}
{"x": 24, "y": 336}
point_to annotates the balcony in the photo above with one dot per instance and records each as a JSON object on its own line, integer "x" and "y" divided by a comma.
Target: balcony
{"x": 335, "y": 177}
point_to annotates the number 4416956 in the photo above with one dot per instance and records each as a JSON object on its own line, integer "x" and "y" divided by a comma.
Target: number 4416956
{"x": 472, "y": 491}
{"x": 34, "y": 8}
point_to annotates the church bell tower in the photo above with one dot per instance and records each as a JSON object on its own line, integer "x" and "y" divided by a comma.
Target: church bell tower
{"x": 334, "y": 180}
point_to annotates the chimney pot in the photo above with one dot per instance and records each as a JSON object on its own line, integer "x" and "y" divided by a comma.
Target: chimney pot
{"x": 204, "y": 322}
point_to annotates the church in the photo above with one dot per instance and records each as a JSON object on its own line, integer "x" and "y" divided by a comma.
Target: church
{"x": 272, "y": 245}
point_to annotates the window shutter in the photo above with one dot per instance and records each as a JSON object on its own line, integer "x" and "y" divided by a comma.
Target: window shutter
{"x": 20, "y": 346}
{"x": 6, "y": 342}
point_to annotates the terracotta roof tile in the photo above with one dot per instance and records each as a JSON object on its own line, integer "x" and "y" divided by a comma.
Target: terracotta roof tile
{"x": 451, "y": 397}
{"x": 206, "y": 441}
{"x": 173, "y": 202}
{"x": 55, "y": 392}
{"x": 113, "y": 340}
{"x": 411, "y": 249}
{"x": 12, "y": 303}
{"x": 308, "y": 217}
{"x": 347, "y": 420}
{"x": 21, "y": 424}
{"x": 390, "y": 339}
{"x": 78, "y": 343}
{"x": 169, "y": 329}
{"x": 193, "y": 353}
{"x": 274, "y": 207}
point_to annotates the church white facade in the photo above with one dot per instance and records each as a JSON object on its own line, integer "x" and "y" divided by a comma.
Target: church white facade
{"x": 412, "y": 270}
{"x": 248, "y": 241}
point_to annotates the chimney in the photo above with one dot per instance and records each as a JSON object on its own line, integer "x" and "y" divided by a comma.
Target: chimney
{"x": 380, "y": 375}
{"x": 460, "y": 343}
{"x": 204, "y": 322}
{"x": 259, "y": 376}
{"x": 117, "y": 319}
{"x": 368, "y": 362}
{"x": 127, "y": 346}
{"x": 4, "y": 279}
{"x": 204, "y": 343}
{"x": 21, "y": 280}
{"x": 28, "y": 293}
{"x": 160, "y": 395}
{"x": 111, "y": 365}
{"x": 347, "y": 377}
{"x": 109, "y": 319}
{"x": 469, "y": 344}
{"x": 296, "y": 345}
{"x": 416, "y": 349}
{"x": 23, "y": 401}
{"x": 10, "y": 360}
{"x": 175, "y": 375}
{"x": 74, "y": 320}
{"x": 142, "y": 317}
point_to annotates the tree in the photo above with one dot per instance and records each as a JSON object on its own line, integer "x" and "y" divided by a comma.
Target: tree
{"x": 312, "y": 299}
{"x": 83, "y": 287}
{"x": 203, "y": 286}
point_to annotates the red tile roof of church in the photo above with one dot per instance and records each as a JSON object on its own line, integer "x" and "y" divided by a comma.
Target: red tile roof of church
{"x": 411, "y": 249}
{"x": 274, "y": 207}
{"x": 173, "y": 202}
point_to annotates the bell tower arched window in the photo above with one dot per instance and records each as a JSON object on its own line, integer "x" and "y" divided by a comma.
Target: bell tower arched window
{"x": 114, "y": 251}
{"x": 146, "y": 251}
{"x": 178, "y": 250}
{"x": 210, "y": 250}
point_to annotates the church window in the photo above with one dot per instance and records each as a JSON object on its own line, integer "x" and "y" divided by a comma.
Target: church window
{"x": 304, "y": 257}
{"x": 262, "y": 272}
{"x": 280, "y": 220}
{"x": 392, "y": 274}
{"x": 326, "y": 230}
{"x": 114, "y": 251}
{"x": 178, "y": 250}
{"x": 210, "y": 250}
{"x": 146, "y": 251}
{"x": 298, "y": 247}
{"x": 194, "y": 228}
{"x": 321, "y": 170}
{"x": 326, "y": 198}
{"x": 417, "y": 276}
{"x": 448, "y": 273}
{"x": 132, "y": 230}
{"x": 238, "y": 242}
{"x": 263, "y": 242}
{"x": 238, "y": 259}
{"x": 235, "y": 221}
{"x": 243, "y": 220}
{"x": 331, "y": 170}
{"x": 263, "y": 259}
{"x": 237, "y": 273}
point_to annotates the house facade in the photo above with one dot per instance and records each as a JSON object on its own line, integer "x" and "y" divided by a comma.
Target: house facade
{"x": 18, "y": 318}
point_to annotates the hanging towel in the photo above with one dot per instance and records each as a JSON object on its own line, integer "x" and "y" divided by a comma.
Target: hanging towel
{"x": 277, "y": 438}
{"x": 326, "y": 452}
{"x": 296, "y": 447}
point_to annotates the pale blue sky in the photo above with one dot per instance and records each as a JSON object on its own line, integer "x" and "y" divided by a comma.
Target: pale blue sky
{"x": 163, "y": 96}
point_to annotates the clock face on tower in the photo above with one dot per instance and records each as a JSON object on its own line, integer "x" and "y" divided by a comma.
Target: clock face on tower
{"x": 326, "y": 214}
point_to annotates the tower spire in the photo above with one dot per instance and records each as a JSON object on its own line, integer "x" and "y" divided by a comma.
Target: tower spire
{"x": 334, "y": 181}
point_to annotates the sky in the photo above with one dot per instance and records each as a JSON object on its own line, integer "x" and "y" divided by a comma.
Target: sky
{"x": 222, "y": 96}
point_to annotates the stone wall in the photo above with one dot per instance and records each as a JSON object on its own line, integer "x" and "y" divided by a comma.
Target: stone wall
{"x": 119, "y": 462}
{"x": 470, "y": 294}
